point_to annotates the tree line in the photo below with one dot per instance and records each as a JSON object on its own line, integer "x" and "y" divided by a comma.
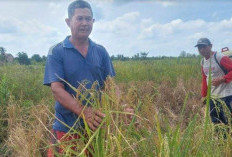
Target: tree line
{"x": 23, "y": 59}
{"x": 144, "y": 56}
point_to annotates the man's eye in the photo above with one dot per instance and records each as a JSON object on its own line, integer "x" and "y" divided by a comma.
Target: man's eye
{"x": 88, "y": 19}
{"x": 79, "y": 19}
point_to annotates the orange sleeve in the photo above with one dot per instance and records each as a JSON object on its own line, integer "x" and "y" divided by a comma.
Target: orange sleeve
{"x": 203, "y": 84}
{"x": 226, "y": 62}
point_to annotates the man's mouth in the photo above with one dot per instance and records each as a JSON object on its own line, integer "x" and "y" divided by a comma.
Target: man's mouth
{"x": 84, "y": 30}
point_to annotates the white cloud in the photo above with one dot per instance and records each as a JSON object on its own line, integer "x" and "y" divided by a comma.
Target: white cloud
{"x": 182, "y": 28}
{"x": 160, "y": 30}
{"x": 6, "y": 38}
{"x": 165, "y": 38}
{"x": 27, "y": 35}
{"x": 99, "y": 1}
{"x": 168, "y": 3}
{"x": 27, "y": 27}
{"x": 224, "y": 25}
{"x": 123, "y": 25}
{"x": 55, "y": 7}
{"x": 146, "y": 22}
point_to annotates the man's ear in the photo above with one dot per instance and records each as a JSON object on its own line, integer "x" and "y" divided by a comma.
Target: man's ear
{"x": 67, "y": 20}
{"x": 93, "y": 20}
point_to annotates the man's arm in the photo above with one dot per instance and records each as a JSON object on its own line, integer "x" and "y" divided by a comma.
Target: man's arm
{"x": 92, "y": 117}
{"x": 62, "y": 96}
{"x": 203, "y": 84}
{"x": 226, "y": 62}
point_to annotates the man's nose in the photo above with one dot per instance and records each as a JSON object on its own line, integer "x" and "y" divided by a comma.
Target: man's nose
{"x": 85, "y": 21}
{"x": 200, "y": 48}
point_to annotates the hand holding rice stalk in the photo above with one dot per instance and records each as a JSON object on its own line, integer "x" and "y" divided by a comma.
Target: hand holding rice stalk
{"x": 104, "y": 117}
{"x": 92, "y": 117}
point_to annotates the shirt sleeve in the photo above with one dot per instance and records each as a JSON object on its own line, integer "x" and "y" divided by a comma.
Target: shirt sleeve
{"x": 53, "y": 68}
{"x": 203, "y": 84}
{"x": 109, "y": 68}
{"x": 226, "y": 62}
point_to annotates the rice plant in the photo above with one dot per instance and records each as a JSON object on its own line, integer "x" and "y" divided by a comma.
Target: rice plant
{"x": 169, "y": 119}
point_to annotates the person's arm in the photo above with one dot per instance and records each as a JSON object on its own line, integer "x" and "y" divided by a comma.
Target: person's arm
{"x": 226, "y": 62}
{"x": 92, "y": 117}
{"x": 203, "y": 84}
{"x": 64, "y": 98}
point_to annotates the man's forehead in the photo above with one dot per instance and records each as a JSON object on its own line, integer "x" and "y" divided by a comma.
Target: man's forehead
{"x": 82, "y": 11}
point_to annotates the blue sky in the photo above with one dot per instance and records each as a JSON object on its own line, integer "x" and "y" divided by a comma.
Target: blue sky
{"x": 123, "y": 27}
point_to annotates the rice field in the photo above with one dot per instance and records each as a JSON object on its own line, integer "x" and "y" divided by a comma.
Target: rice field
{"x": 169, "y": 118}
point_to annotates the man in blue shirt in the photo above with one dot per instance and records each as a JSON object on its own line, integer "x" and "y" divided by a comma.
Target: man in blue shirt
{"x": 74, "y": 60}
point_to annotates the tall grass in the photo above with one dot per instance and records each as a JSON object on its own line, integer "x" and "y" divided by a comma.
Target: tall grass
{"x": 169, "y": 118}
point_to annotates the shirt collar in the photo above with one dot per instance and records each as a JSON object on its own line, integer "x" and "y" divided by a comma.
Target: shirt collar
{"x": 68, "y": 44}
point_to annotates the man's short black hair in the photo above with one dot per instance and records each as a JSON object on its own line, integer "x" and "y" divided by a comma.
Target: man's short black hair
{"x": 78, "y": 4}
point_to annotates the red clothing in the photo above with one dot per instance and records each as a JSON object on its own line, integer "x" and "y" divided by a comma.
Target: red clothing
{"x": 60, "y": 136}
{"x": 203, "y": 84}
{"x": 226, "y": 62}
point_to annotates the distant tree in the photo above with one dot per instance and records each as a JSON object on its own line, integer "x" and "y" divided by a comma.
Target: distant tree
{"x": 136, "y": 56}
{"x": 189, "y": 55}
{"x": 2, "y": 50}
{"x": 113, "y": 57}
{"x": 44, "y": 58}
{"x": 23, "y": 58}
{"x": 36, "y": 58}
{"x": 2, "y": 54}
{"x": 183, "y": 54}
{"x": 144, "y": 55}
{"x": 120, "y": 57}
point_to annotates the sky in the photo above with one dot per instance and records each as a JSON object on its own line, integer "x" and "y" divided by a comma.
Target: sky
{"x": 128, "y": 27}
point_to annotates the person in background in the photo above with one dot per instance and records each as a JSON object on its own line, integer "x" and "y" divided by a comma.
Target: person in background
{"x": 221, "y": 85}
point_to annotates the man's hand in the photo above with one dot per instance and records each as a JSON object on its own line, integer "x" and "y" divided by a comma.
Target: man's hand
{"x": 217, "y": 81}
{"x": 129, "y": 110}
{"x": 129, "y": 116}
{"x": 92, "y": 117}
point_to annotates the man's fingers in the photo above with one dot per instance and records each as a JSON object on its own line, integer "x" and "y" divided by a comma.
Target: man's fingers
{"x": 92, "y": 127}
{"x": 129, "y": 109}
{"x": 130, "y": 113}
{"x": 99, "y": 114}
{"x": 94, "y": 118}
{"x": 98, "y": 119}
{"x": 130, "y": 117}
{"x": 96, "y": 124}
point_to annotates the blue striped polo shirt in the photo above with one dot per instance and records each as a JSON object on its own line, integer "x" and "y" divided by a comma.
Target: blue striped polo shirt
{"x": 66, "y": 62}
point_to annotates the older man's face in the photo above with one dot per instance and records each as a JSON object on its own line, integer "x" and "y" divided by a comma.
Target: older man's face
{"x": 81, "y": 23}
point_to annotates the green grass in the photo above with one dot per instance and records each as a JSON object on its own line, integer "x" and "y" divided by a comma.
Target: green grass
{"x": 170, "y": 119}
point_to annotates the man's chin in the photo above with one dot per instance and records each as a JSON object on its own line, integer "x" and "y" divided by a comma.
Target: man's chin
{"x": 84, "y": 35}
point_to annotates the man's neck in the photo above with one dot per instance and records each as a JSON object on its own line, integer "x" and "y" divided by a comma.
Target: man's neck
{"x": 79, "y": 42}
